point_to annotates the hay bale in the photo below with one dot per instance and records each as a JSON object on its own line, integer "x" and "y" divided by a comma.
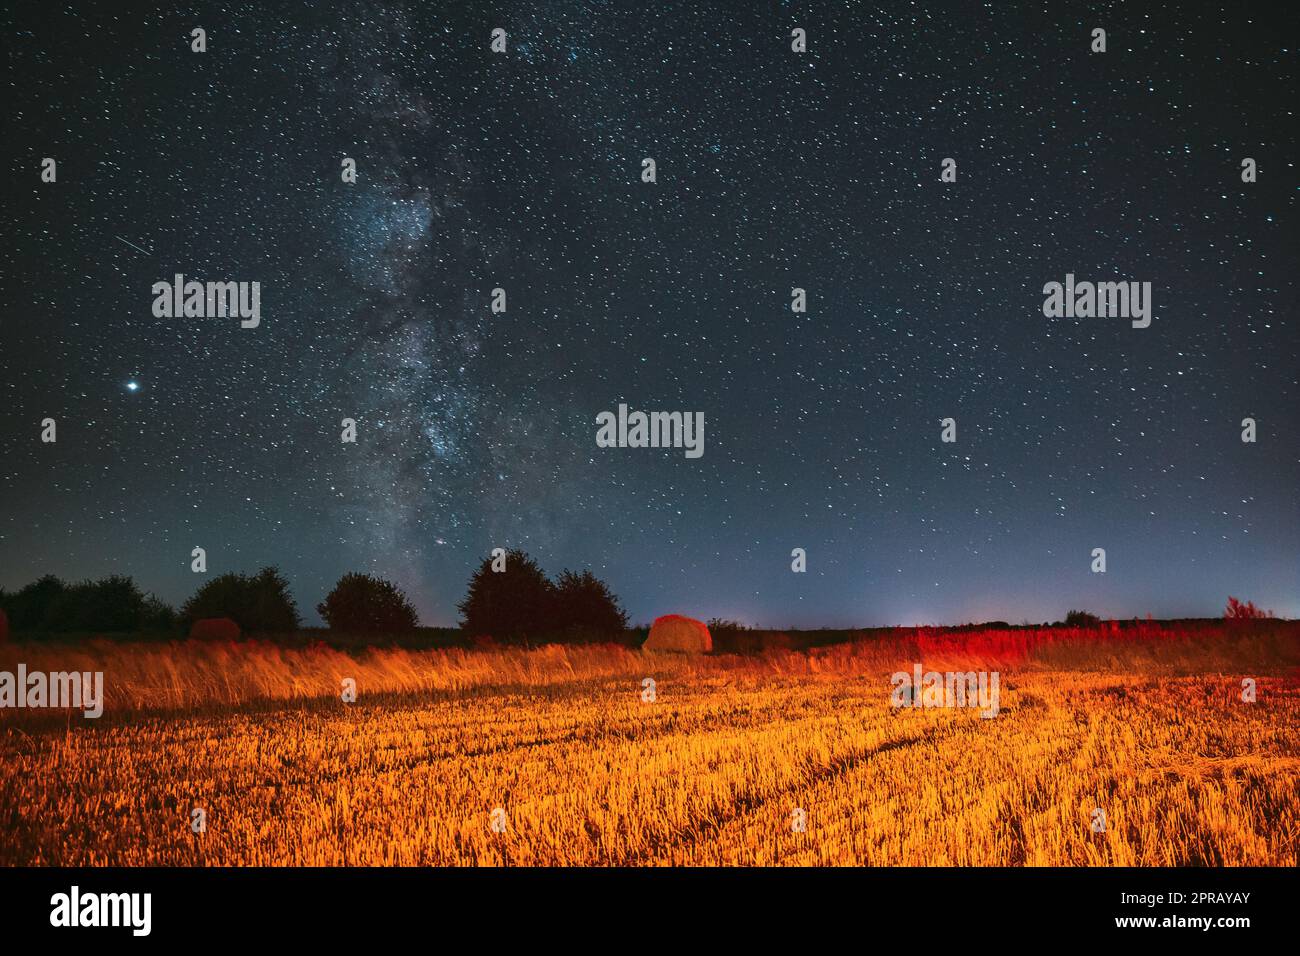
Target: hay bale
{"x": 673, "y": 632}
{"x": 214, "y": 629}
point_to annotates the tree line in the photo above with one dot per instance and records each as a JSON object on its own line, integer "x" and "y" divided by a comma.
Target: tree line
{"x": 509, "y": 599}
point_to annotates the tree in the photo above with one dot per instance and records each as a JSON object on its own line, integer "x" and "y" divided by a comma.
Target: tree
{"x": 1081, "y": 619}
{"x": 260, "y": 602}
{"x": 158, "y": 615}
{"x": 30, "y": 607}
{"x": 585, "y": 607}
{"x": 509, "y": 605}
{"x": 111, "y": 604}
{"x": 1236, "y": 611}
{"x": 362, "y": 604}
{"x": 274, "y": 608}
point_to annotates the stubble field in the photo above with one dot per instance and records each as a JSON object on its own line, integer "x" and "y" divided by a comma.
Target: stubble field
{"x": 557, "y": 749}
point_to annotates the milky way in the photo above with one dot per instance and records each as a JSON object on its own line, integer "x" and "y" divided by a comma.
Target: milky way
{"x": 775, "y": 170}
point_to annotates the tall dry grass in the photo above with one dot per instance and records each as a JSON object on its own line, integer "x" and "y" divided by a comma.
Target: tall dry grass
{"x": 195, "y": 674}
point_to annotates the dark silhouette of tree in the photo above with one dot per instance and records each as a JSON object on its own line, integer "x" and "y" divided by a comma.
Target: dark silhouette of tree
{"x": 585, "y": 608}
{"x": 260, "y": 602}
{"x": 110, "y": 605}
{"x": 158, "y": 615}
{"x": 1081, "y": 619}
{"x": 361, "y": 604}
{"x": 29, "y": 608}
{"x": 512, "y": 605}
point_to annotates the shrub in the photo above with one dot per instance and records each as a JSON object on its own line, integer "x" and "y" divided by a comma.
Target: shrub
{"x": 1236, "y": 611}
{"x": 362, "y": 604}
{"x": 260, "y": 602}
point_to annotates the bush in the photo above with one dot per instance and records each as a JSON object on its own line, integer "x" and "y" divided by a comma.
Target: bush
{"x": 362, "y": 604}
{"x": 1082, "y": 619}
{"x": 586, "y": 608}
{"x": 1236, "y": 611}
{"x": 512, "y": 605}
{"x": 261, "y": 602}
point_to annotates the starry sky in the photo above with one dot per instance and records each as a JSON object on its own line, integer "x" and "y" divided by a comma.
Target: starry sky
{"x": 775, "y": 170}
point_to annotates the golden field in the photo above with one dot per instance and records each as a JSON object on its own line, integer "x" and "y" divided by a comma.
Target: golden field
{"x": 1147, "y": 725}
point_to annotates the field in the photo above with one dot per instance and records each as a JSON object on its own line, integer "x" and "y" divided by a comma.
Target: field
{"x": 1147, "y": 725}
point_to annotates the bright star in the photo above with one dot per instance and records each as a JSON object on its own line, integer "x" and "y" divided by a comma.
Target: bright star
{"x": 133, "y": 386}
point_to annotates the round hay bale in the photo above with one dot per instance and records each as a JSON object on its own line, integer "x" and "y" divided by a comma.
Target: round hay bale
{"x": 673, "y": 632}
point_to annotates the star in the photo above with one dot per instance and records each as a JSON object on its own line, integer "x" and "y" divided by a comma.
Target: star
{"x": 477, "y": 429}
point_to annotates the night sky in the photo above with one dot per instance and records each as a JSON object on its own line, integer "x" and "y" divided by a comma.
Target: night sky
{"x": 775, "y": 170}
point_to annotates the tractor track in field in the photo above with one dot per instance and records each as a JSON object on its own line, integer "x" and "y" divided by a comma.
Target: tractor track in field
{"x": 748, "y": 805}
